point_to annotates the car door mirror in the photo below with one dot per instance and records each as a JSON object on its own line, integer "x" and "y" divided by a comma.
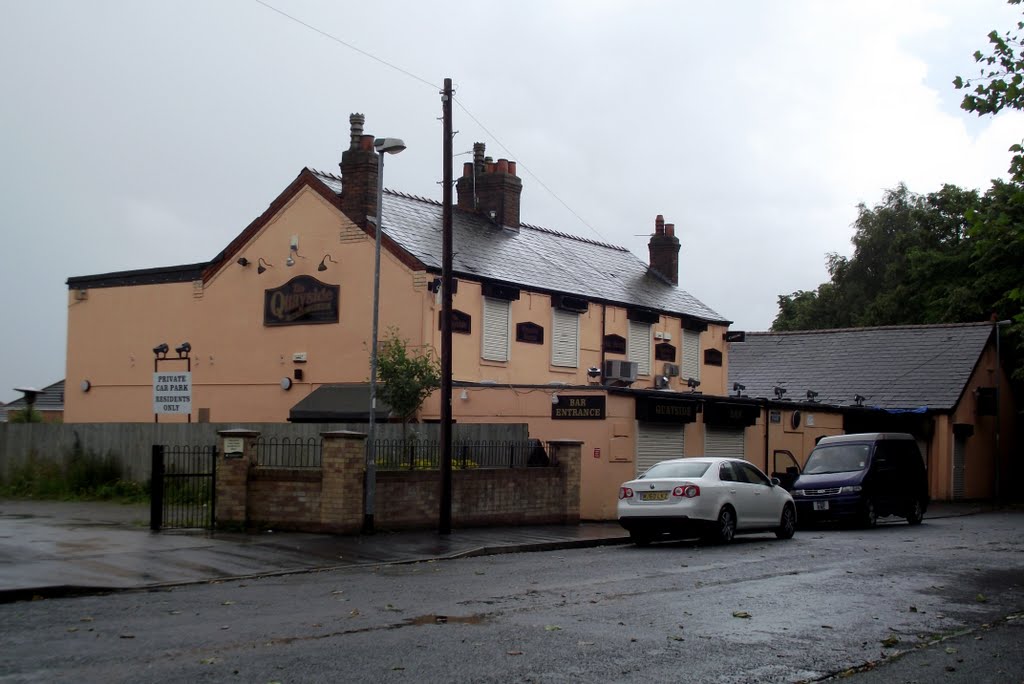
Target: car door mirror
{"x": 776, "y": 482}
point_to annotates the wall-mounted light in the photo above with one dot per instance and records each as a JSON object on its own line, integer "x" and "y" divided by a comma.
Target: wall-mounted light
{"x": 738, "y": 388}
{"x": 86, "y": 385}
{"x": 554, "y": 397}
{"x": 858, "y": 399}
{"x": 779, "y": 391}
{"x": 262, "y": 265}
{"x": 323, "y": 262}
{"x": 811, "y": 396}
{"x": 286, "y": 383}
{"x": 160, "y": 350}
{"x": 692, "y": 383}
{"x": 593, "y": 372}
{"x": 183, "y": 349}
{"x": 464, "y": 396}
{"x": 242, "y": 261}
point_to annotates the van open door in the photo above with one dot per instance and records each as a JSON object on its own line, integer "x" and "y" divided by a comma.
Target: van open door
{"x": 785, "y": 467}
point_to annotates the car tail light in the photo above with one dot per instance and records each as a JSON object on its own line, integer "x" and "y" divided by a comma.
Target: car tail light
{"x": 625, "y": 493}
{"x": 688, "y": 490}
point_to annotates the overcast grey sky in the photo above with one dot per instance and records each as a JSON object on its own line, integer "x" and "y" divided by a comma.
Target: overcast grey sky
{"x": 137, "y": 133}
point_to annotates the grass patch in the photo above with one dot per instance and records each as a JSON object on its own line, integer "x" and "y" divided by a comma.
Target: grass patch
{"x": 82, "y": 475}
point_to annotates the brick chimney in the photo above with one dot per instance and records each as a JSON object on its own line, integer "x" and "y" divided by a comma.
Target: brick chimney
{"x": 490, "y": 188}
{"x": 359, "y": 174}
{"x": 664, "y": 250}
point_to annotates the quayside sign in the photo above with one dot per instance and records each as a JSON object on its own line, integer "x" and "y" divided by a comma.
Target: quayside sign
{"x": 303, "y": 300}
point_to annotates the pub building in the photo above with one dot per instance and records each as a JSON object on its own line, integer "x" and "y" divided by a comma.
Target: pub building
{"x": 576, "y": 338}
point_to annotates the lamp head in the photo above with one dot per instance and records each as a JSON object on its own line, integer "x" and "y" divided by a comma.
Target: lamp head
{"x": 161, "y": 349}
{"x": 388, "y": 145}
{"x": 183, "y": 349}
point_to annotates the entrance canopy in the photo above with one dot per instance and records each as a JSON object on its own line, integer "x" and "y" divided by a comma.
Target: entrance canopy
{"x": 348, "y": 403}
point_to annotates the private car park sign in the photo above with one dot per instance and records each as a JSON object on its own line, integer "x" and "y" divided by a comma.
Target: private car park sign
{"x": 172, "y": 393}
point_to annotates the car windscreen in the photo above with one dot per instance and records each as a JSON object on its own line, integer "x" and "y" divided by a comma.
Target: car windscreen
{"x": 677, "y": 469}
{"x": 838, "y": 458}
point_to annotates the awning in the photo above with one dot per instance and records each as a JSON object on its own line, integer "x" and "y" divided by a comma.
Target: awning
{"x": 348, "y": 403}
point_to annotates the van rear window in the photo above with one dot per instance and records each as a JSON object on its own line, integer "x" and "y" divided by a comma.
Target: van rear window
{"x": 838, "y": 458}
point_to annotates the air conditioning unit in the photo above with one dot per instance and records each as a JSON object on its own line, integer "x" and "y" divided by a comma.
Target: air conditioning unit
{"x": 671, "y": 370}
{"x": 620, "y": 371}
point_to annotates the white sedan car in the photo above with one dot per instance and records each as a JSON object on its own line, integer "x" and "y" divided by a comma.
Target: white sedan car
{"x": 714, "y": 498}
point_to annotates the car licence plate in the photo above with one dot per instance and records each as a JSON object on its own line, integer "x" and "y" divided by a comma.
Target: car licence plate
{"x": 653, "y": 496}
{"x": 821, "y": 505}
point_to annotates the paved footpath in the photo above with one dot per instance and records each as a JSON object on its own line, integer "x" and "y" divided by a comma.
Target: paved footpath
{"x": 55, "y": 548}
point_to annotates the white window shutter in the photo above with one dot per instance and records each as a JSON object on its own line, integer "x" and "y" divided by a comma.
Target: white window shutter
{"x": 497, "y": 314}
{"x": 565, "y": 334}
{"x": 691, "y": 355}
{"x": 638, "y": 347}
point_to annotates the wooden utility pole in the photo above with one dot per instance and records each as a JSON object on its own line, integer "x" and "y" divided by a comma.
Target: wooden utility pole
{"x": 445, "y": 526}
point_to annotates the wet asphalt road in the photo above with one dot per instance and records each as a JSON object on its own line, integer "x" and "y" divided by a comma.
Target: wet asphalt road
{"x": 819, "y": 604}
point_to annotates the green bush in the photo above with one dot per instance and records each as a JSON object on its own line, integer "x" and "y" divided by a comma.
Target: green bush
{"x": 84, "y": 474}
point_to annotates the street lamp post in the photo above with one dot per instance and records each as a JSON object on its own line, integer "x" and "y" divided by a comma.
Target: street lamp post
{"x": 382, "y": 146}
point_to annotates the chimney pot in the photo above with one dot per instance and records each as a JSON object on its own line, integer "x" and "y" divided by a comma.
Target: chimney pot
{"x": 659, "y": 225}
{"x": 467, "y": 169}
{"x": 355, "y": 122}
{"x": 503, "y": 166}
{"x": 670, "y": 229}
{"x": 366, "y": 143}
{"x": 512, "y": 168}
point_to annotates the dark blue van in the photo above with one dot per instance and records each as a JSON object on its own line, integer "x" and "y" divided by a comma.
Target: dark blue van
{"x": 862, "y": 477}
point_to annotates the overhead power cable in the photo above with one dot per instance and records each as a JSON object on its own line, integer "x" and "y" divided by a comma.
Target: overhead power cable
{"x": 424, "y": 81}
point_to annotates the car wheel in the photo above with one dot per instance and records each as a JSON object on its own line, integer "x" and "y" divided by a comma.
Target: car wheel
{"x": 916, "y": 513}
{"x": 640, "y": 538}
{"x": 723, "y": 529}
{"x": 787, "y": 525}
{"x": 869, "y": 518}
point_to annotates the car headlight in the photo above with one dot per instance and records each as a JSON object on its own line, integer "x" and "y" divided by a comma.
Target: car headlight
{"x": 849, "y": 489}
{"x": 797, "y": 492}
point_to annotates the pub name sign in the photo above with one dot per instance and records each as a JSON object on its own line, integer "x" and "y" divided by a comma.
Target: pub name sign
{"x": 303, "y": 300}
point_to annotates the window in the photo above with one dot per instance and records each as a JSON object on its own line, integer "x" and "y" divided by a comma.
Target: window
{"x": 690, "y": 367}
{"x": 497, "y": 318}
{"x": 639, "y": 346}
{"x": 565, "y": 333}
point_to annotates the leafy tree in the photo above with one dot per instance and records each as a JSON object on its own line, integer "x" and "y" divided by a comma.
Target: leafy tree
{"x": 998, "y": 84}
{"x": 407, "y": 377}
{"x": 26, "y": 415}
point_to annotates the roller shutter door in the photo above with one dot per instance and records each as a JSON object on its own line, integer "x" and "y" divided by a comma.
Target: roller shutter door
{"x": 959, "y": 467}
{"x": 657, "y": 443}
{"x": 723, "y": 442}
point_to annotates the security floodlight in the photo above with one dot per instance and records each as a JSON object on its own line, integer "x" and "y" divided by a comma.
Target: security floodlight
{"x": 161, "y": 349}
{"x": 779, "y": 391}
{"x": 692, "y": 383}
{"x": 859, "y": 399}
{"x": 183, "y": 349}
{"x": 811, "y": 396}
{"x": 594, "y": 372}
{"x": 738, "y": 388}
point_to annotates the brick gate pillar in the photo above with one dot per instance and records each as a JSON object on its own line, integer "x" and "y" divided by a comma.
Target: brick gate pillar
{"x": 568, "y": 454}
{"x": 341, "y": 490}
{"x": 236, "y": 455}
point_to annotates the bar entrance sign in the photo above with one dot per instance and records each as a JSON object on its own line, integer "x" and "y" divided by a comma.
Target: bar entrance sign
{"x": 172, "y": 393}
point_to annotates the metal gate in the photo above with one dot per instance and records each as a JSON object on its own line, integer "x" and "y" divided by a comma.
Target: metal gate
{"x": 183, "y": 491}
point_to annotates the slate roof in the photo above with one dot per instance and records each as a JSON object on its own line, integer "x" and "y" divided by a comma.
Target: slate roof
{"x": 533, "y": 258}
{"x": 50, "y": 398}
{"x": 899, "y": 367}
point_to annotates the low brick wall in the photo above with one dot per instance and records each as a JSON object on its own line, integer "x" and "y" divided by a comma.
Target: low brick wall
{"x": 284, "y": 498}
{"x": 523, "y": 496}
{"x": 331, "y": 498}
